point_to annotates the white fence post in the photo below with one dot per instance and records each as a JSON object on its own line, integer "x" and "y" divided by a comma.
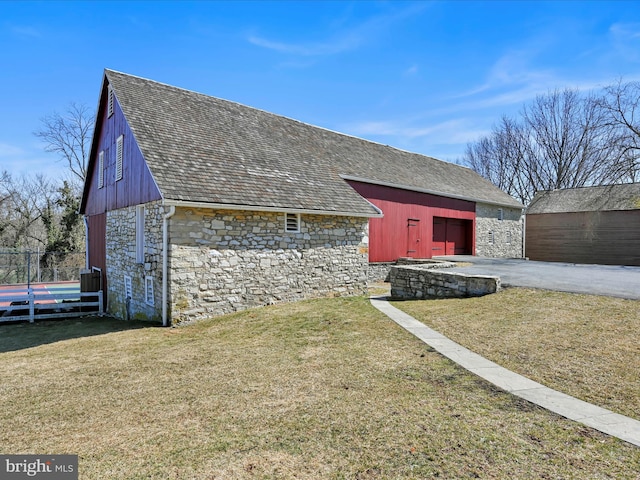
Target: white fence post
{"x": 32, "y": 303}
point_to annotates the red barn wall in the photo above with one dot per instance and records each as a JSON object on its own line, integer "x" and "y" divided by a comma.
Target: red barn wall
{"x": 406, "y": 230}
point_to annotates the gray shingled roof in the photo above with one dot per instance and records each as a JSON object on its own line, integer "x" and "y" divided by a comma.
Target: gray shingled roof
{"x": 205, "y": 149}
{"x": 587, "y": 199}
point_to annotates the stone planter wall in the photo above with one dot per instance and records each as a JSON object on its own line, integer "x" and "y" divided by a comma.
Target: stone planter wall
{"x": 417, "y": 282}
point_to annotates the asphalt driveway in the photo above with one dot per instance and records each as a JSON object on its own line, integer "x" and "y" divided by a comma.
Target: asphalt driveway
{"x": 610, "y": 280}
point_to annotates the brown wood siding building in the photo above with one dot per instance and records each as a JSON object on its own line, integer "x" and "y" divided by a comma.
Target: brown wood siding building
{"x": 601, "y": 226}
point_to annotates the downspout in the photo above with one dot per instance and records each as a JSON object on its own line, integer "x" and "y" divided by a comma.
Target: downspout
{"x": 86, "y": 242}
{"x": 165, "y": 262}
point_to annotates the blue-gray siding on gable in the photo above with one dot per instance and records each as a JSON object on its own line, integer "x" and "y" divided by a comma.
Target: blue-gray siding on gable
{"x": 137, "y": 185}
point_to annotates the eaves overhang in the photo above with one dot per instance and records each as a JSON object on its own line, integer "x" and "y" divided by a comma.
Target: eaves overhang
{"x": 261, "y": 208}
{"x": 432, "y": 192}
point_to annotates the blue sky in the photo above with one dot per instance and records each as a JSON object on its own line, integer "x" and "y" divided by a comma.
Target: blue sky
{"x": 421, "y": 76}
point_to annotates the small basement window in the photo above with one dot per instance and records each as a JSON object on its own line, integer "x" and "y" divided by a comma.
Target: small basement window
{"x": 491, "y": 238}
{"x": 128, "y": 289}
{"x": 508, "y": 238}
{"x": 292, "y": 222}
{"x": 148, "y": 290}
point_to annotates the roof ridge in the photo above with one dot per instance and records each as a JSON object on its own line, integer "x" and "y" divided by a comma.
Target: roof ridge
{"x": 301, "y": 122}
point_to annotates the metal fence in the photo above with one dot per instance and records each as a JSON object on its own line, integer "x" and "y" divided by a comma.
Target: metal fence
{"x": 37, "y": 266}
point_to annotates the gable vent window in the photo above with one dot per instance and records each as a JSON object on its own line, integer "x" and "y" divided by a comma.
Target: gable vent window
{"x": 490, "y": 238}
{"x": 119, "y": 153}
{"x": 292, "y": 222}
{"x": 110, "y": 102}
{"x": 101, "y": 170}
{"x": 500, "y": 214}
{"x": 148, "y": 290}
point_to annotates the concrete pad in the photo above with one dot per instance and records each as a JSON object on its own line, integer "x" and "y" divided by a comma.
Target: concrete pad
{"x": 606, "y": 421}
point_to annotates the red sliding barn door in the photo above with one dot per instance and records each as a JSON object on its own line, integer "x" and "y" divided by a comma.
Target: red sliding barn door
{"x": 451, "y": 236}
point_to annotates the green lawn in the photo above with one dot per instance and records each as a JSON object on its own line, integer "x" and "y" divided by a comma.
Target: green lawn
{"x": 319, "y": 389}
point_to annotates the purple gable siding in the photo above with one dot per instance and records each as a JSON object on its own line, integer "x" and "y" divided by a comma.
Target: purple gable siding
{"x": 137, "y": 185}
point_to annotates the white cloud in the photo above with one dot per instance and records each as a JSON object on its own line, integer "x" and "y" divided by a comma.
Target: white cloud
{"x": 412, "y": 70}
{"x": 626, "y": 40}
{"x": 450, "y": 132}
{"x": 345, "y": 39}
{"x": 626, "y": 31}
{"x": 7, "y": 150}
{"x": 18, "y": 161}
{"x": 334, "y": 46}
{"x": 25, "y": 31}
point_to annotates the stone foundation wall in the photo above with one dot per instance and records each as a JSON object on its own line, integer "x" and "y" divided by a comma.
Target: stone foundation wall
{"x": 146, "y": 301}
{"x": 418, "y": 282}
{"x": 498, "y": 238}
{"x": 224, "y": 261}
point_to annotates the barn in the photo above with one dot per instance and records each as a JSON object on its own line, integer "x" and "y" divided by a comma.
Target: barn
{"x": 597, "y": 225}
{"x": 197, "y": 206}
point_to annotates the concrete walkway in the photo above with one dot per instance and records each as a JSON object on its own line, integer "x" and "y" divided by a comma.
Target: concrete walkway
{"x": 601, "y": 419}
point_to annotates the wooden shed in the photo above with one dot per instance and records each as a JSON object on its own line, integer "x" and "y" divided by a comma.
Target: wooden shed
{"x": 597, "y": 225}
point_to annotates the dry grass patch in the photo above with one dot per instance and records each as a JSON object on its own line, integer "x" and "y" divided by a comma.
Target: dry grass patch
{"x": 585, "y": 345}
{"x": 320, "y": 389}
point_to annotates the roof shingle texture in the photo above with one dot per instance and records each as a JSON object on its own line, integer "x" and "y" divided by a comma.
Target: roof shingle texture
{"x": 587, "y": 199}
{"x": 205, "y": 149}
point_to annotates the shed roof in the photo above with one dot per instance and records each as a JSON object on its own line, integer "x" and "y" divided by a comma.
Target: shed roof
{"x": 204, "y": 149}
{"x": 587, "y": 199}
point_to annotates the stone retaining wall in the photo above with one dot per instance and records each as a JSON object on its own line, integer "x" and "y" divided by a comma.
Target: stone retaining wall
{"x": 417, "y": 282}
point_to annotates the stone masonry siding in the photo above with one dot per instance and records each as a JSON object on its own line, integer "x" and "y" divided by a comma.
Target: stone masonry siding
{"x": 410, "y": 282}
{"x": 495, "y": 237}
{"x": 224, "y": 261}
{"x": 121, "y": 262}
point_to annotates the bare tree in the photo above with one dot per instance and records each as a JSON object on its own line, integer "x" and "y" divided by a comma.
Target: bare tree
{"x": 24, "y": 198}
{"x": 501, "y": 157}
{"x": 562, "y": 140}
{"x": 621, "y": 104}
{"x": 69, "y": 136}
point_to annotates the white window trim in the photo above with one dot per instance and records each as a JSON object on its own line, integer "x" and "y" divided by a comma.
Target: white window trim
{"x": 101, "y": 169}
{"x": 289, "y": 218}
{"x": 119, "y": 155}
{"x": 492, "y": 238}
{"x": 140, "y": 233}
{"x": 148, "y": 291}
{"x": 500, "y": 214}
